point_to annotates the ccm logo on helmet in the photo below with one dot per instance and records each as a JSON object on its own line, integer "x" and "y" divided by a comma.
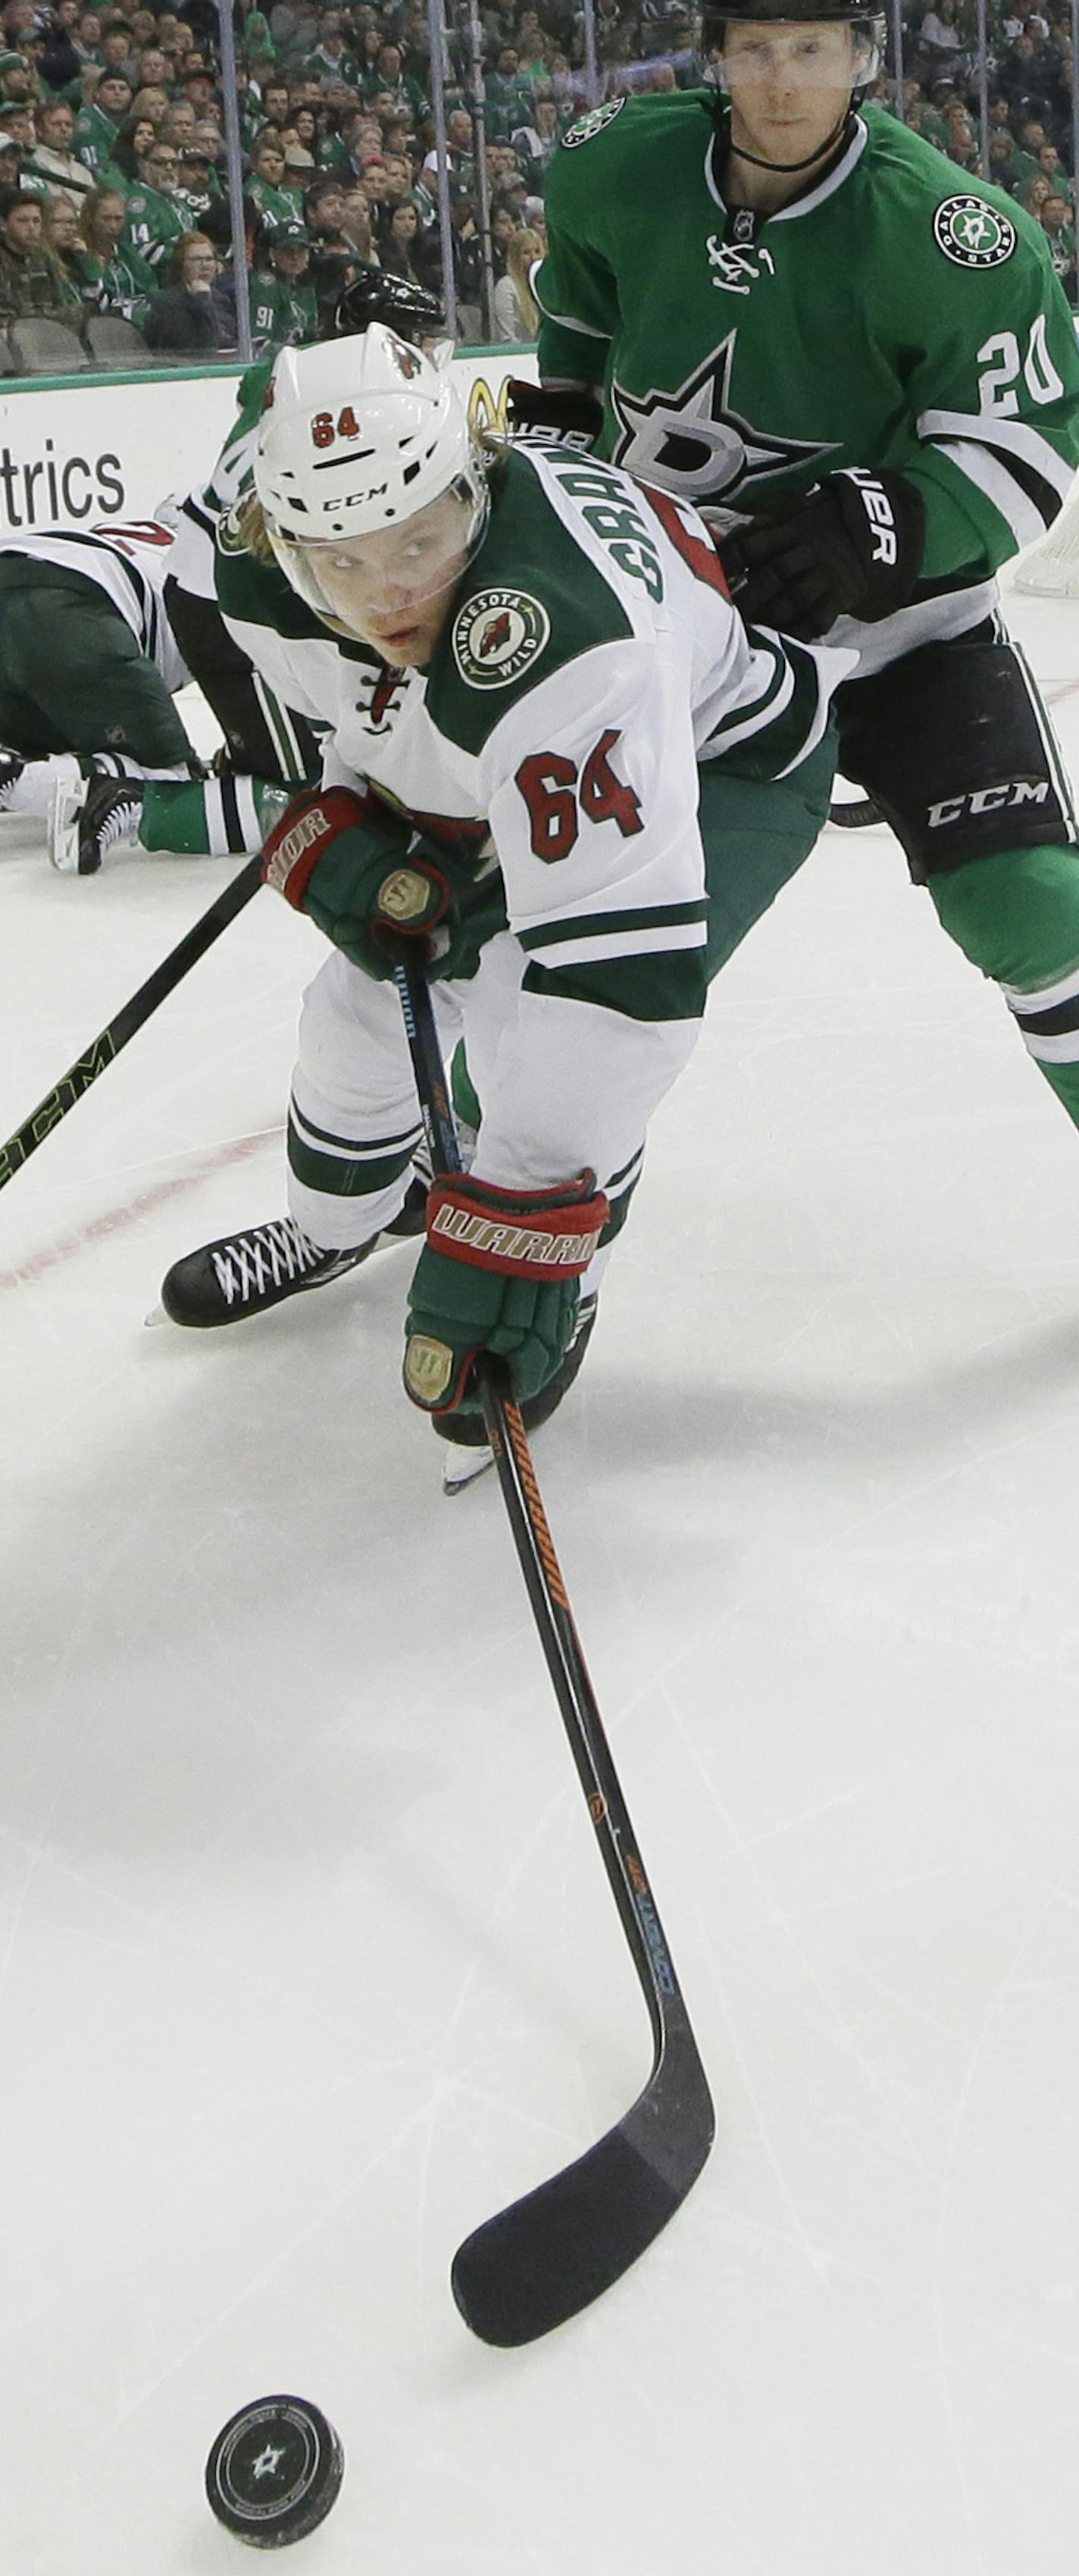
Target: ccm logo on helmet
{"x": 988, "y": 800}
{"x": 878, "y": 509}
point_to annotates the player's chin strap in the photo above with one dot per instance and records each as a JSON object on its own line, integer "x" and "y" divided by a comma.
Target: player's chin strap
{"x": 835, "y": 144}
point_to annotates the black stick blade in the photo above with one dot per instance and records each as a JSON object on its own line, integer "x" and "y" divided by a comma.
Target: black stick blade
{"x": 548, "y": 2256}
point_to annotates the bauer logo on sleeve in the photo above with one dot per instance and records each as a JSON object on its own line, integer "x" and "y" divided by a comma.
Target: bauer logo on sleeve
{"x": 973, "y": 234}
{"x": 593, "y": 123}
{"x": 497, "y": 634}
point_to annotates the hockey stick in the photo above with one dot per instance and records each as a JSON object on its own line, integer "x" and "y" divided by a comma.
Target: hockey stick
{"x": 131, "y": 1017}
{"x": 550, "y": 2254}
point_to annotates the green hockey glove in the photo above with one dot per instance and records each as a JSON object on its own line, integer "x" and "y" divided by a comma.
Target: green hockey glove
{"x": 359, "y": 871}
{"x": 853, "y": 547}
{"x": 499, "y": 1273}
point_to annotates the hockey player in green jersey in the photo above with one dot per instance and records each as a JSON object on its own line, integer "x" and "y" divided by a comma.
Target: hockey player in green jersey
{"x": 862, "y": 367}
{"x": 539, "y": 697}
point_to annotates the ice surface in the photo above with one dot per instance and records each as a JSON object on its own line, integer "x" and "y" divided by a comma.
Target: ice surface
{"x": 308, "y": 1962}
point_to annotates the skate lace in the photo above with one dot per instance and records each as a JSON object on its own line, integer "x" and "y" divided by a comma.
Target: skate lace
{"x": 121, "y": 818}
{"x": 254, "y": 1262}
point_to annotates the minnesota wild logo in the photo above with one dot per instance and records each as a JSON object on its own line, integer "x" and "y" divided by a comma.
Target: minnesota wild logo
{"x": 593, "y": 123}
{"x": 497, "y": 634}
{"x": 973, "y": 234}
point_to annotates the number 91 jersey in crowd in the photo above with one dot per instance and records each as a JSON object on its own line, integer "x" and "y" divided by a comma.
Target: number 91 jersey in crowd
{"x": 898, "y": 315}
{"x": 589, "y": 660}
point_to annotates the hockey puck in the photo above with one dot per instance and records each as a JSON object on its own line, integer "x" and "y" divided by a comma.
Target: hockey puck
{"x": 274, "y": 2472}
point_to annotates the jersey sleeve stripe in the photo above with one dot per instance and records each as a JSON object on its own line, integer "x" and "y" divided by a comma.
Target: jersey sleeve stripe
{"x": 571, "y": 321}
{"x": 992, "y": 478}
{"x": 649, "y": 920}
{"x": 1007, "y": 437}
{"x": 619, "y": 943}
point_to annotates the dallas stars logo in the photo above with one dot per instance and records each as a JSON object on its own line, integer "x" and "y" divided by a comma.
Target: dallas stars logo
{"x": 973, "y": 234}
{"x": 694, "y": 443}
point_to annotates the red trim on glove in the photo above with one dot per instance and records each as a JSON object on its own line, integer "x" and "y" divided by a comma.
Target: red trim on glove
{"x": 524, "y": 1234}
{"x": 304, "y": 833}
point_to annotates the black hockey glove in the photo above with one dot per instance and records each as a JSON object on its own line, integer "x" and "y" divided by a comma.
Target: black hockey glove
{"x": 570, "y": 414}
{"x": 852, "y": 547}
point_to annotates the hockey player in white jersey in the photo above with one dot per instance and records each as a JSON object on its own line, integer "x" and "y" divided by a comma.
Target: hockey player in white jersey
{"x": 535, "y": 659}
{"x": 88, "y": 668}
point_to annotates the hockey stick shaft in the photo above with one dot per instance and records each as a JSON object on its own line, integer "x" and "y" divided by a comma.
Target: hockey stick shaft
{"x": 131, "y": 1017}
{"x": 540, "y": 1567}
{"x": 551, "y": 2253}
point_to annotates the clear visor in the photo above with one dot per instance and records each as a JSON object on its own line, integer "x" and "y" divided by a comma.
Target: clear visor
{"x": 386, "y": 588}
{"x": 785, "y": 70}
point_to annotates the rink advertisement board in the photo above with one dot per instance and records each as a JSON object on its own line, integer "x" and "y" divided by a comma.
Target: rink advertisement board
{"x": 113, "y": 449}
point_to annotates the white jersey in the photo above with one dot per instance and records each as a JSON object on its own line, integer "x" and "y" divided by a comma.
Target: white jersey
{"x": 126, "y": 560}
{"x": 590, "y": 660}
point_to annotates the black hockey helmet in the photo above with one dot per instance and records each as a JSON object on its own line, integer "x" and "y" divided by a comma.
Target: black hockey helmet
{"x": 870, "y": 24}
{"x": 376, "y": 295}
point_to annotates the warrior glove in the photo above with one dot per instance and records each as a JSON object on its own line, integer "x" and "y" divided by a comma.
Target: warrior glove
{"x": 852, "y": 547}
{"x": 499, "y": 1273}
{"x": 360, "y": 871}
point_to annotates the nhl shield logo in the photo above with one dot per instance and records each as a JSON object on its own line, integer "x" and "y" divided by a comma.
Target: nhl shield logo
{"x": 586, "y": 126}
{"x": 973, "y": 234}
{"x": 497, "y": 634}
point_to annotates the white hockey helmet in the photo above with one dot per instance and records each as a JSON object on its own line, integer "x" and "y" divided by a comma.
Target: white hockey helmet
{"x": 358, "y": 436}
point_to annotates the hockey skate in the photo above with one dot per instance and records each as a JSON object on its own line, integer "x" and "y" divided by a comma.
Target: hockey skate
{"x": 88, "y": 818}
{"x": 245, "y": 1274}
{"x": 466, "y": 1433}
{"x": 11, "y": 770}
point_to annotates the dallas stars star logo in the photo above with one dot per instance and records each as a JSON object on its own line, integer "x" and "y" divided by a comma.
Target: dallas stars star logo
{"x": 693, "y": 442}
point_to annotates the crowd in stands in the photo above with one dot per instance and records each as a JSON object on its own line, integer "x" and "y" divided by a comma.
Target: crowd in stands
{"x": 113, "y": 192}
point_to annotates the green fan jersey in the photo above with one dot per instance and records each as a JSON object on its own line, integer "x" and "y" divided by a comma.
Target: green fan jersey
{"x": 153, "y": 224}
{"x": 898, "y": 315}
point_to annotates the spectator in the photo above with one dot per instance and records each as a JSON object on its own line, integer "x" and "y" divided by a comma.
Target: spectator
{"x": 1052, "y": 168}
{"x": 111, "y": 280}
{"x": 199, "y": 184}
{"x": 97, "y": 127}
{"x": 183, "y": 320}
{"x": 403, "y": 250}
{"x": 216, "y": 227}
{"x": 266, "y": 186}
{"x": 1059, "y": 229}
{"x": 939, "y": 38}
{"x": 516, "y": 314}
{"x": 332, "y": 255}
{"x": 60, "y": 236}
{"x": 504, "y": 227}
{"x": 10, "y": 159}
{"x": 52, "y": 164}
{"x": 535, "y": 142}
{"x": 467, "y": 260}
{"x": 32, "y": 285}
{"x": 284, "y": 307}
{"x": 357, "y": 228}
{"x": 155, "y": 217}
{"x": 134, "y": 139}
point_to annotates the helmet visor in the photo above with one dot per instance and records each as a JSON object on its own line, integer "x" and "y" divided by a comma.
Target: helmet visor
{"x": 391, "y": 587}
{"x": 790, "y": 81}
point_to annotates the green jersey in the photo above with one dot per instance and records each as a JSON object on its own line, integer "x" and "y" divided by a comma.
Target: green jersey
{"x": 887, "y": 318}
{"x": 282, "y": 315}
{"x": 153, "y": 224}
{"x": 94, "y": 139}
{"x": 276, "y": 206}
